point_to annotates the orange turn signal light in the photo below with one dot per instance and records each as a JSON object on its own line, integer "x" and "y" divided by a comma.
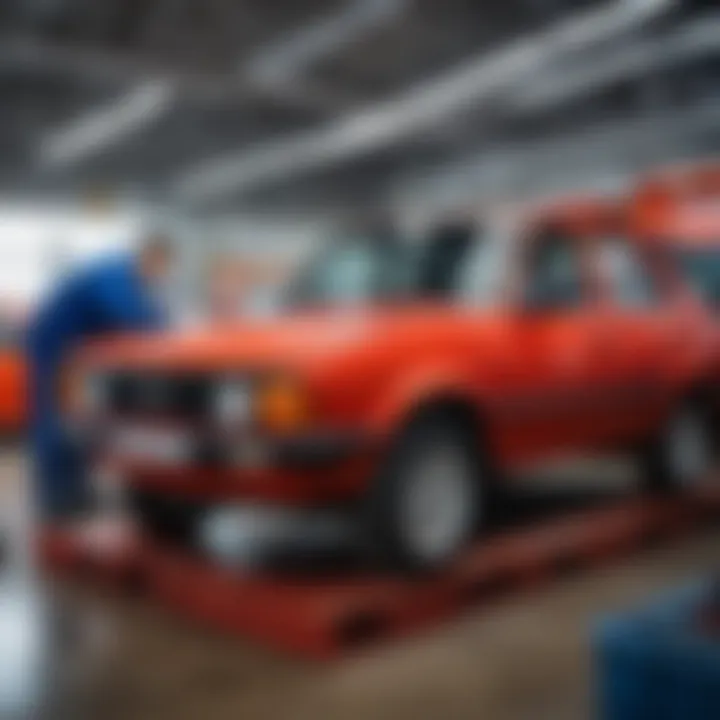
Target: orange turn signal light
{"x": 282, "y": 406}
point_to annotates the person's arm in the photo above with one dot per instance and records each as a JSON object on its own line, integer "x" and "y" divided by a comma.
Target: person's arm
{"x": 126, "y": 304}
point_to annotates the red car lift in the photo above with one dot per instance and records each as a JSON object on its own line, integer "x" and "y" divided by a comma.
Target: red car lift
{"x": 327, "y": 617}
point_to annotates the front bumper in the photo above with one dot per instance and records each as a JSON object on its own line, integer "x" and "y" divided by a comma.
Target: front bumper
{"x": 308, "y": 469}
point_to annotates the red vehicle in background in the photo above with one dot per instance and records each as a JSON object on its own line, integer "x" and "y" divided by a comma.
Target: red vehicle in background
{"x": 13, "y": 375}
{"x": 401, "y": 383}
{"x": 677, "y": 212}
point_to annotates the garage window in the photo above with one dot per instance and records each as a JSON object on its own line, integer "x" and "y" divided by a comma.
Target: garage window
{"x": 701, "y": 266}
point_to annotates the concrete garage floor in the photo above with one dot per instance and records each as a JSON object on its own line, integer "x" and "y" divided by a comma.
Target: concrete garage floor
{"x": 524, "y": 657}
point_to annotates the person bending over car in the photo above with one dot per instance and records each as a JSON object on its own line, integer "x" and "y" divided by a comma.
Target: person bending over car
{"x": 116, "y": 294}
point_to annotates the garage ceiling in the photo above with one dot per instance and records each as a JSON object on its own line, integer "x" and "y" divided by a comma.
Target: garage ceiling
{"x": 323, "y": 103}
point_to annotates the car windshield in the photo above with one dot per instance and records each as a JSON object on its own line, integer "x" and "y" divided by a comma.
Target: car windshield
{"x": 352, "y": 272}
{"x": 701, "y": 266}
{"x": 361, "y": 270}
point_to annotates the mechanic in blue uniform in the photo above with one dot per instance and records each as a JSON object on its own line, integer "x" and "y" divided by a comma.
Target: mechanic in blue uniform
{"x": 117, "y": 294}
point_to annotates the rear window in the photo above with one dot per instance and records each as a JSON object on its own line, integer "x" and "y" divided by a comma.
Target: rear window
{"x": 627, "y": 274}
{"x": 701, "y": 267}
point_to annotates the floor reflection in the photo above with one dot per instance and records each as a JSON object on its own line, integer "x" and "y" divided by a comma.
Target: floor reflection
{"x": 52, "y": 651}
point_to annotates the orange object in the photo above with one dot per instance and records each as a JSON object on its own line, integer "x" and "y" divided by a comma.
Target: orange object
{"x": 677, "y": 211}
{"x": 679, "y": 207}
{"x": 283, "y": 406}
{"x": 13, "y": 381}
{"x": 536, "y": 353}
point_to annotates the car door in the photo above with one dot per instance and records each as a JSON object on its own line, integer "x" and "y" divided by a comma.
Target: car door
{"x": 552, "y": 368}
{"x": 637, "y": 318}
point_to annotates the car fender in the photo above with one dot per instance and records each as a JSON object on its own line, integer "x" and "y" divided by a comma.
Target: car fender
{"x": 408, "y": 393}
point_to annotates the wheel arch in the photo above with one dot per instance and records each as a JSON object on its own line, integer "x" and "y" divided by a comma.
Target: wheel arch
{"x": 454, "y": 407}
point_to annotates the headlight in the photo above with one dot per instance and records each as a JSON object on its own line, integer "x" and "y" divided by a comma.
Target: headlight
{"x": 276, "y": 404}
{"x": 233, "y": 402}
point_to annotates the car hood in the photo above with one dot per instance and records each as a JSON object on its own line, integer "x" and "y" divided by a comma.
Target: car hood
{"x": 282, "y": 341}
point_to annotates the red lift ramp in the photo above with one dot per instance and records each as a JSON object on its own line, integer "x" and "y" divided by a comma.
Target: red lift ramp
{"x": 104, "y": 552}
{"x": 326, "y": 618}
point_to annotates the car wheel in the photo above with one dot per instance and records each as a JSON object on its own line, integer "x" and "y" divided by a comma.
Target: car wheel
{"x": 426, "y": 503}
{"x": 683, "y": 454}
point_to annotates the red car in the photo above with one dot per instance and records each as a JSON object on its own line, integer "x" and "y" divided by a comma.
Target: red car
{"x": 401, "y": 384}
{"x": 679, "y": 211}
{"x": 676, "y": 213}
{"x": 13, "y": 372}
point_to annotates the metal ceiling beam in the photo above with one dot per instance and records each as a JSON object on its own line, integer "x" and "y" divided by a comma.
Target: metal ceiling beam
{"x": 98, "y": 68}
{"x": 95, "y": 130}
{"x": 572, "y": 81}
{"x": 605, "y": 148}
{"x": 284, "y": 60}
{"x": 27, "y": 53}
{"x": 415, "y": 111}
{"x": 695, "y": 39}
{"x": 274, "y": 70}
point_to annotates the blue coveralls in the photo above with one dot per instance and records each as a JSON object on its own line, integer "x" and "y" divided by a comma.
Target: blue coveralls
{"x": 106, "y": 297}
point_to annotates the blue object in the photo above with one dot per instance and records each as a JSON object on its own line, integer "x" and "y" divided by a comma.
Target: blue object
{"x": 656, "y": 664}
{"x": 106, "y": 297}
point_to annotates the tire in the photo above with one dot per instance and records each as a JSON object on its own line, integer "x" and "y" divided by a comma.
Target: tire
{"x": 428, "y": 500}
{"x": 165, "y": 518}
{"x": 682, "y": 454}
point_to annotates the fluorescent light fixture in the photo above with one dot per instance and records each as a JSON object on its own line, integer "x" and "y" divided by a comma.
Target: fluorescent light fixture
{"x": 610, "y": 148}
{"x": 417, "y": 110}
{"x": 144, "y": 104}
{"x": 287, "y": 58}
{"x": 107, "y": 125}
{"x": 692, "y": 40}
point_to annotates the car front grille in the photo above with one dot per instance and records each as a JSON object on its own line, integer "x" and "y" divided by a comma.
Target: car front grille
{"x": 146, "y": 393}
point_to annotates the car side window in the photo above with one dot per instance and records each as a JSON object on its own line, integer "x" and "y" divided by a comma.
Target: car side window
{"x": 442, "y": 259}
{"x": 627, "y": 275}
{"x": 554, "y": 277}
{"x": 484, "y": 276}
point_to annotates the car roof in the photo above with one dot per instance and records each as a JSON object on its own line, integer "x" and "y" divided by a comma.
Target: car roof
{"x": 679, "y": 204}
{"x": 681, "y": 180}
{"x": 581, "y": 216}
